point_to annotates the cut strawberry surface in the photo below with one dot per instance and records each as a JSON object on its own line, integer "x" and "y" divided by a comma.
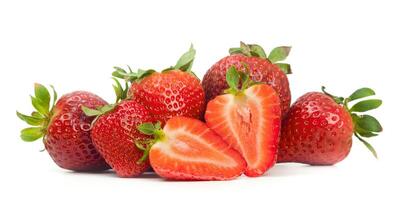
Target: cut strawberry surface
{"x": 249, "y": 121}
{"x": 186, "y": 149}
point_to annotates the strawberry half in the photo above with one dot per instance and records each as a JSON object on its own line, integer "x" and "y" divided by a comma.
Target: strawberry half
{"x": 249, "y": 120}
{"x": 186, "y": 149}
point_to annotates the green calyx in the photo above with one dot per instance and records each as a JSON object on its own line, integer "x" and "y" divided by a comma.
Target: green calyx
{"x": 185, "y": 61}
{"x": 236, "y": 78}
{"x": 121, "y": 94}
{"x": 99, "y": 111}
{"x": 275, "y": 56}
{"x": 129, "y": 75}
{"x": 145, "y": 145}
{"x": 365, "y": 126}
{"x": 184, "y": 64}
{"x": 40, "y": 118}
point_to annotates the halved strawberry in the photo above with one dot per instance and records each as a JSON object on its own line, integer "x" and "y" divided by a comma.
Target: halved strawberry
{"x": 249, "y": 120}
{"x": 186, "y": 149}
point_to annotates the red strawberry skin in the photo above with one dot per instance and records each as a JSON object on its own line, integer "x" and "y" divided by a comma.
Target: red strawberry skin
{"x": 68, "y": 138}
{"x": 171, "y": 93}
{"x": 114, "y": 134}
{"x": 261, "y": 70}
{"x": 315, "y": 131}
{"x": 192, "y": 151}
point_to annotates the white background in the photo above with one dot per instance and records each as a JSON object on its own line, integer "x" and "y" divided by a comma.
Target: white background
{"x": 74, "y": 44}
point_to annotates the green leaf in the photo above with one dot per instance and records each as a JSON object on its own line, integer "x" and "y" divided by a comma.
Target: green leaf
{"x": 279, "y": 54}
{"x": 369, "y": 123}
{"x": 31, "y": 134}
{"x": 43, "y": 95}
{"x": 123, "y": 74}
{"x": 40, "y": 106}
{"x": 285, "y": 67}
{"x": 106, "y": 108}
{"x": 54, "y": 96}
{"x": 31, "y": 120}
{"x": 368, "y": 145}
{"x": 144, "y": 156}
{"x": 246, "y": 81}
{"x": 140, "y": 145}
{"x": 118, "y": 90}
{"x": 243, "y": 76}
{"x": 36, "y": 114}
{"x": 235, "y": 50}
{"x": 232, "y": 77}
{"x": 257, "y": 50}
{"x": 143, "y": 73}
{"x": 158, "y": 125}
{"x": 245, "y": 49}
{"x": 185, "y": 62}
{"x": 90, "y": 112}
{"x": 366, "y": 105}
{"x": 362, "y": 132}
{"x": 118, "y": 74}
{"x": 361, "y": 93}
{"x": 146, "y": 128}
{"x": 120, "y": 70}
{"x": 338, "y": 100}
{"x": 367, "y": 134}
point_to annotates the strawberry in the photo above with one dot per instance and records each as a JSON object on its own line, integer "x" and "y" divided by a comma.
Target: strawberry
{"x": 248, "y": 119}
{"x": 262, "y": 69}
{"x": 65, "y": 128}
{"x": 186, "y": 149}
{"x": 175, "y": 91}
{"x": 318, "y": 128}
{"x": 114, "y": 133}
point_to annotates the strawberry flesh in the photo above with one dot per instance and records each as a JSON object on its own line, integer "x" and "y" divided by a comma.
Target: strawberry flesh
{"x": 250, "y": 123}
{"x": 192, "y": 151}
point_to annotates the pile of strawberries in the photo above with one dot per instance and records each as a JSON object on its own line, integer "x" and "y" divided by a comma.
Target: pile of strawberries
{"x": 237, "y": 120}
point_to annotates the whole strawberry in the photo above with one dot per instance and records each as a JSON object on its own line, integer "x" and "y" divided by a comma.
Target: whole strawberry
{"x": 318, "y": 128}
{"x": 175, "y": 91}
{"x": 114, "y": 134}
{"x": 65, "y": 128}
{"x": 115, "y": 131}
{"x": 262, "y": 69}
